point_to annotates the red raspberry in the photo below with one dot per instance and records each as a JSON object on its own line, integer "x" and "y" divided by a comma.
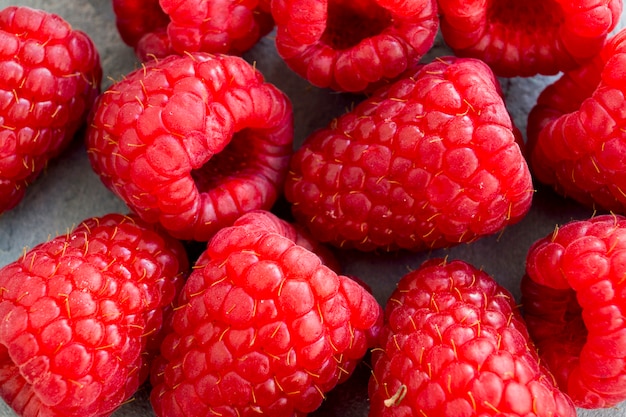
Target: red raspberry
{"x": 573, "y": 298}
{"x": 353, "y": 45}
{"x": 157, "y": 28}
{"x": 430, "y": 161}
{"x": 262, "y": 327}
{"x": 50, "y": 75}
{"x": 525, "y": 39}
{"x": 138, "y": 18}
{"x": 455, "y": 345}
{"x": 82, "y": 315}
{"x": 193, "y": 142}
{"x": 575, "y": 131}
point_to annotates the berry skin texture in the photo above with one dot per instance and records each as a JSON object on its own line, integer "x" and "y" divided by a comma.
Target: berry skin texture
{"x": 157, "y": 28}
{"x": 50, "y": 75}
{"x": 572, "y": 296}
{"x": 430, "y": 161}
{"x": 263, "y": 327}
{"x": 192, "y": 142}
{"x": 454, "y": 345}
{"x": 575, "y": 135}
{"x": 528, "y": 38}
{"x": 81, "y": 317}
{"x": 353, "y": 45}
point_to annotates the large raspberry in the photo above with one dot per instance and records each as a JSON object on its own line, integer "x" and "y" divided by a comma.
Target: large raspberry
{"x": 157, "y": 28}
{"x": 262, "y": 327}
{"x": 455, "y": 345}
{"x": 350, "y": 45}
{"x": 573, "y": 300}
{"x": 576, "y": 135}
{"x": 193, "y": 142}
{"x": 82, "y": 316}
{"x": 50, "y": 75}
{"x": 530, "y": 37}
{"x": 430, "y": 161}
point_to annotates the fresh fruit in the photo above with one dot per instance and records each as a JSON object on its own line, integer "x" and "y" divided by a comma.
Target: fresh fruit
{"x": 81, "y": 316}
{"x": 454, "y": 345}
{"x": 572, "y": 296}
{"x": 192, "y": 142}
{"x": 575, "y": 131}
{"x": 262, "y": 327}
{"x": 136, "y": 18}
{"x": 528, "y": 38}
{"x": 50, "y": 75}
{"x": 353, "y": 45}
{"x": 157, "y": 28}
{"x": 427, "y": 162}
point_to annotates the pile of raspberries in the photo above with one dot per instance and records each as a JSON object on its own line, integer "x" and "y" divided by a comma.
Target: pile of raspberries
{"x": 262, "y": 321}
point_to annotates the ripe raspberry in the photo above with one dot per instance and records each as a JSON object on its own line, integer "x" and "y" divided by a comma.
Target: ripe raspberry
{"x": 157, "y": 28}
{"x": 262, "y": 327}
{"x": 192, "y": 142}
{"x": 50, "y": 75}
{"x": 525, "y": 39}
{"x": 573, "y": 300}
{"x": 430, "y": 161}
{"x": 82, "y": 314}
{"x": 575, "y": 131}
{"x": 137, "y": 18}
{"x": 454, "y": 345}
{"x": 353, "y": 45}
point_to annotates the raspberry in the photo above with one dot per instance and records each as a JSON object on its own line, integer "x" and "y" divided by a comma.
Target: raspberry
{"x": 192, "y": 142}
{"x": 572, "y": 294}
{"x": 137, "y": 18}
{"x": 82, "y": 316}
{"x": 262, "y": 327}
{"x": 50, "y": 75}
{"x": 429, "y": 161}
{"x": 353, "y": 45}
{"x": 157, "y": 28}
{"x": 528, "y": 38}
{"x": 575, "y": 134}
{"x": 454, "y": 345}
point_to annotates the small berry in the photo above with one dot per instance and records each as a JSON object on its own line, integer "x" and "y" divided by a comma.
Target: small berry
{"x": 353, "y": 45}
{"x": 528, "y": 38}
{"x": 192, "y": 142}
{"x": 81, "y": 317}
{"x": 572, "y": 295}
{"x": 575, "y": 135}
{"x": 427, "y": 162}
{"x": 263, "y": 327}
{"x": 50, "y": 76}
{"x": 157, "y": 28}
{"x": 454, "y": 345}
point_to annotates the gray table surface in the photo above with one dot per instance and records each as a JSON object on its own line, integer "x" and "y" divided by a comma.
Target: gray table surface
{"x": 69, "y": 192}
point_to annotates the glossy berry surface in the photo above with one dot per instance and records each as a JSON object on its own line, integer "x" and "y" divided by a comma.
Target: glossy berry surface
{"x": 349, "y": 45}
{"x": 429, "y": 161}
{"x": 454, "y": 345}
{"x": 192, "y": 142}
{"x": 262, "y": 327}
{"x": 50, "y": 75}
{"x": 82, "y": 315}
{"x": 573, "y": 298}
{"x": 531, "y": 37}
